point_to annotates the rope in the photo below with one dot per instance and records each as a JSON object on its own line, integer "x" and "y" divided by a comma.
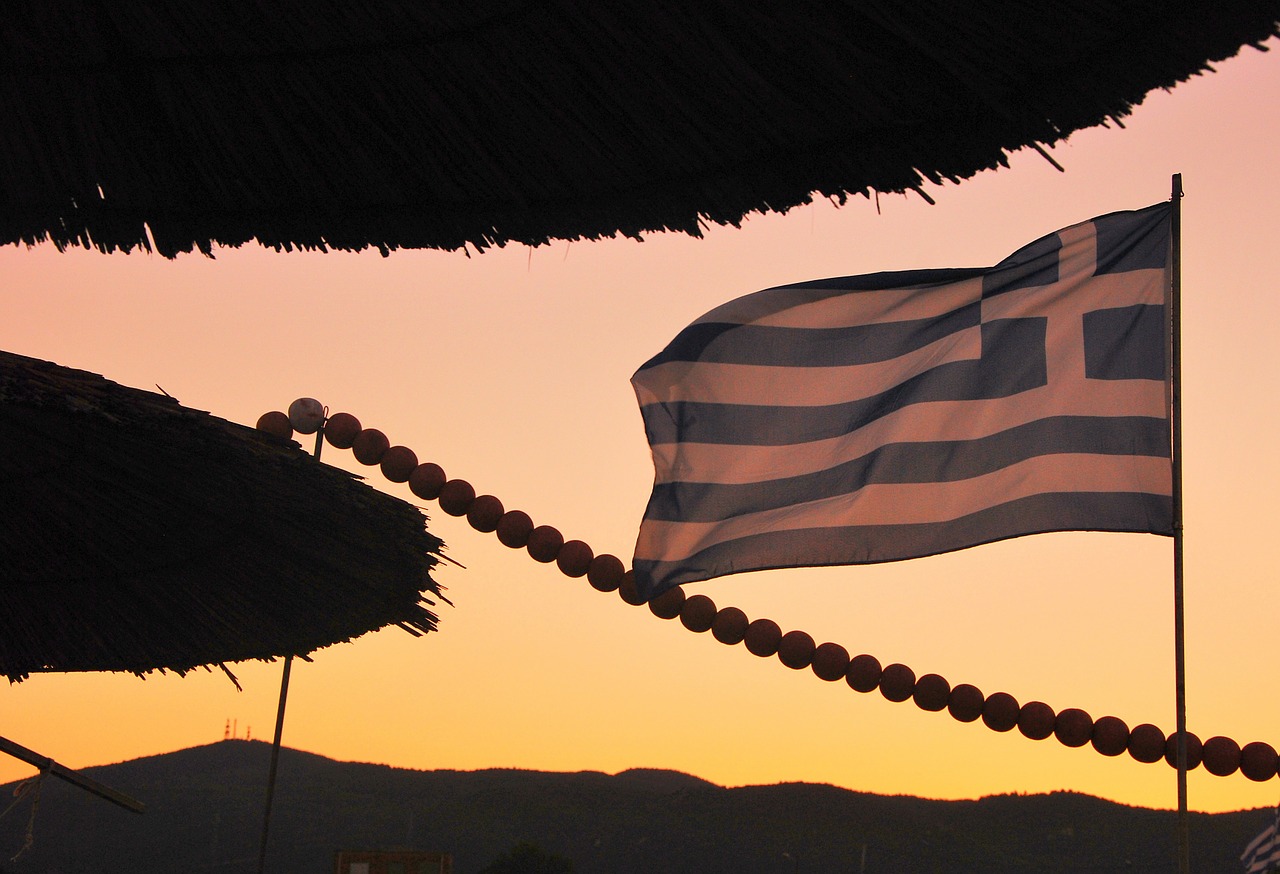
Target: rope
{"x": 20, "y": 792}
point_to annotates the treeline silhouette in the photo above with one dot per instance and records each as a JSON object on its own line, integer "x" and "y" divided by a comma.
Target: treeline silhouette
{"x": 204, "y": 814}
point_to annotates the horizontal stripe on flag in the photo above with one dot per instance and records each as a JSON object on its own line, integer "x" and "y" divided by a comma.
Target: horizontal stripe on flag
{"x": 766, "y": 385}
{"x": 1014, "y": 364}
{"x": 856, "y": 544}
{"x": 780, "y": 305}
{"x": 903, "y": 503}
{"x": 834, "y": 306}
{"x": 776, "y": 346}
{"x": 755, "y": 384}
{"x": 933, "y": 462}
{"x": 940, "y": 422}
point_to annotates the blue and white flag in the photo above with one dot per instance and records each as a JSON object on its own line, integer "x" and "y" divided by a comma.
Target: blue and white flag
{"x": 1263, "y": 853}
{"x": 897, "y": 415}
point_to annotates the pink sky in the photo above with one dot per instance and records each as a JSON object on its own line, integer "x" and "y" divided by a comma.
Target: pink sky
{"x": 511, "y": 370}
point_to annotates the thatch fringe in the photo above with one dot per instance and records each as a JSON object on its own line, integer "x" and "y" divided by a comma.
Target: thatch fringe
{"x": 141, "y": 535}
{"x": 384, "y": 123}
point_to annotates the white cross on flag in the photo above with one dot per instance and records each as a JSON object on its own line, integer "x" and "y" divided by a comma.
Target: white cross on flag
{"x": 896, "y": 415}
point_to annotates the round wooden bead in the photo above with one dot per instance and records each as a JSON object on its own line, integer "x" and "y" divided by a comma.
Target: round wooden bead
{"x": 698, "y": 613}
{"x": 398, "y": 463}
{"x": 668, "y": 604}
{"x": 341, "y": 430}
{"x": 864, "y": 673}
{"x": 965, "y": 702}
{"x": 1146, "y": 743}
{"x": 605, "y": 573}
{"x": 276, "y": 424}
{"x": 628, "y": 591}
{"x": 1073, "y": 727}
{"x": 1221, "y": 756}
{"x": 1258, "y": 761}
{"x": 1036, "y": 720}
{"x": 456, "y": 496}
{"x": 730, "y": 626}
{"x": 1000, "y": 712}
{"x": 762, "y": 638}
{"x": 574, "y": 559}
{"x": 931, "y": 693}
{"x": 306, "y": 415}
{"x": 830, "y": 661}
{"x": 544, "y": 543}
{"x": 484, "y": 513}
{"x": 427, "y": 480}
{"x": 1195, "y": 750}
{"x": 795, "y": 650}
{"x": 897, "y": 682}
{"x": 514, "y": 529}
{"x": 369, "y": 446}
{"x": 1110, "y": 735}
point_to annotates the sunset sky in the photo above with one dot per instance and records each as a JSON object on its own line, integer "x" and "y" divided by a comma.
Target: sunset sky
{"x": 511, "y": 370}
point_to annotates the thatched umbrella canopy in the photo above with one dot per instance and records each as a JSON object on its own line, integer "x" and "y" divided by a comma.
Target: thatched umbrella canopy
{"x": 142, "y": 535}
{"x": 176, "y": 124}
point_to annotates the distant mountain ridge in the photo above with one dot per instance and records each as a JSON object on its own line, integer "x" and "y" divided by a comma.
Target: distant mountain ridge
{"x": 204, "y": 813}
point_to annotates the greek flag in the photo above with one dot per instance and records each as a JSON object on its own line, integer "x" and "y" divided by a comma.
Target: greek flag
{"x": 897, "y": 415}
{"x": 1263, "y": 853}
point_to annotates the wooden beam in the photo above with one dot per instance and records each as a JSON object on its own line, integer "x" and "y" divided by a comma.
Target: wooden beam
{"x": 75, "y": 778}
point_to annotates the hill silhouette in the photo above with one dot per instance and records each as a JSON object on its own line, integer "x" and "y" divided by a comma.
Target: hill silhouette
{"x": 204, "y": 813}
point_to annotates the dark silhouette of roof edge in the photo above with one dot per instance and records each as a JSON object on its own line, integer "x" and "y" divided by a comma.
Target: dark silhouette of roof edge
{"x": 387, "y": 124}
{"x": 144, "y": 536}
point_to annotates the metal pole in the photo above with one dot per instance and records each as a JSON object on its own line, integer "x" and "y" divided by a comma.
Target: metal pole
{"x": 275, "y": 759}
{"x": 1175, "y": 412}
{"x": 275, "y": 743}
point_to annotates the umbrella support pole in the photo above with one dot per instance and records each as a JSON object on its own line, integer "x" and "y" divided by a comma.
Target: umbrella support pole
{"x": 275, "y": 759}
{"x": 49, "y": 766}
{"x": 284, "y": 694}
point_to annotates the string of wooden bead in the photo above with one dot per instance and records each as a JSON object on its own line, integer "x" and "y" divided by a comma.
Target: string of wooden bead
{"x": 831, "y": 662}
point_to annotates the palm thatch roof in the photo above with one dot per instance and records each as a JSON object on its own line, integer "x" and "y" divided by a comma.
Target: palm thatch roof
{"x": 177, "y": 124}
{"x": 142, "y": 535}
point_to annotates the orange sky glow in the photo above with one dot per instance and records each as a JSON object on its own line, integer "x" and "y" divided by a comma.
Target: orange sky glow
{"x": 511, "y": 370}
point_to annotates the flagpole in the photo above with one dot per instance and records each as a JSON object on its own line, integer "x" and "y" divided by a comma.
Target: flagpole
{"x": 1175, "y": 411}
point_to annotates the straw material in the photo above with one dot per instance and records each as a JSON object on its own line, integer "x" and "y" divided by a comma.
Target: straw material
{"x": 320, "y": 124}
{"x": 142, "y": 535}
